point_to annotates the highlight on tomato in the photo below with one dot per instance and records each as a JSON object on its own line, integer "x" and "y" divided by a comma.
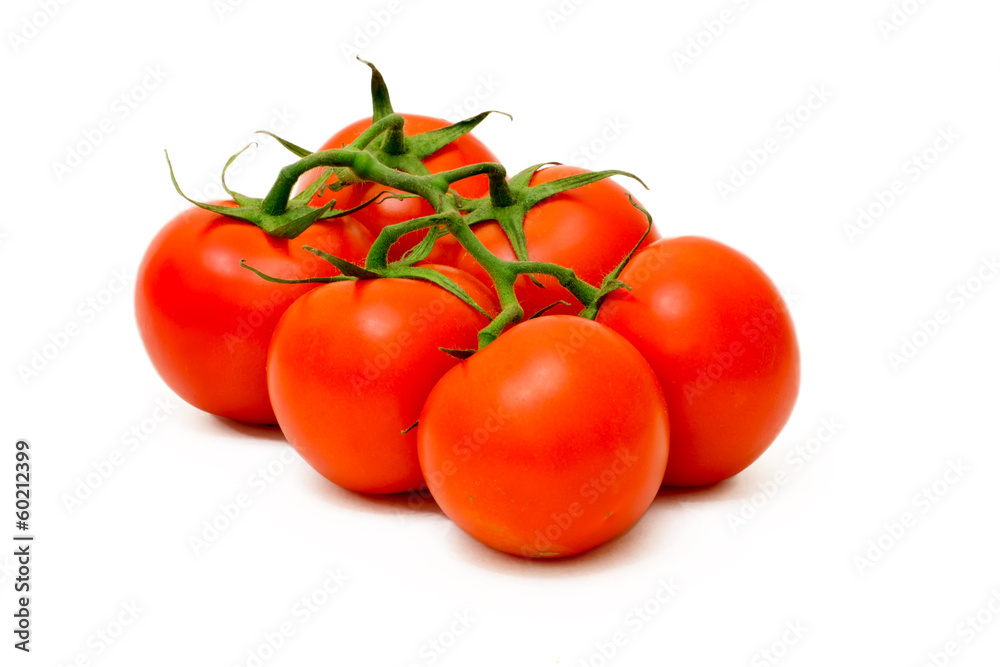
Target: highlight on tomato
{"x": 351, "y": 364}
{"x": 719, "y": 336}
{"x": 548, "y": 442}
{"x": 206, "y": 322}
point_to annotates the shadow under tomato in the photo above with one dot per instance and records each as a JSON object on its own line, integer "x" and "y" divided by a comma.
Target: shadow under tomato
{"x": 727, "y": 489}
{"x": 243, "y": 429}
{"x": 627, "y": 548}
{"x": 414, "y": 502}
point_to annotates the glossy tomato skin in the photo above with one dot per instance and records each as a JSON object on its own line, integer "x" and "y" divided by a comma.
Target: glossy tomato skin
{"x": 589, "y": 229}
{"x": 718, "y": 334}
{"x": 351, "y": 364}
{"x": 548, "y": 442}
{"x": 463, "y": 151}
{"x": 206, "y": 322}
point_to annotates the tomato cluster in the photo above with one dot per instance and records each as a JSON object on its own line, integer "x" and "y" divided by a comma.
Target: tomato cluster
{"x": 527, "y": 348}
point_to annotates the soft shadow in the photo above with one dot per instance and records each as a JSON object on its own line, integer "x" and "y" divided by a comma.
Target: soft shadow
{"x": 228, "y": 426}
{"x": 727, "y": 489}
{"x": 415, "y": 502}
{"x": 626, "y": 549}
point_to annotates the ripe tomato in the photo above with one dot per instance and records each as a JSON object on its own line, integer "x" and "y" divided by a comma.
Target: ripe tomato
{"x": 589, "y": 229}
{"x": 719, "y": 336}
{"x": 351, "y": 364}
{"x": 549, "y": 441}
{"x": 206, "y": 322}
{"x": 463, "y": 151}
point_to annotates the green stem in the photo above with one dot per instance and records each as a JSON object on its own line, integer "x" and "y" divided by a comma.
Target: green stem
{"x": 583, "y": 291}
{"x": 378, "y": 253}
{"x": 395, "y": 140}
{"x": 500, "y": 193}
{"x": 434, "y": 189}
{"x": 376, "y": 129}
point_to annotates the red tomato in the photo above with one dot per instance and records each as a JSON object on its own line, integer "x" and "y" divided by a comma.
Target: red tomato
{"x": 549, "y": 441}
{"x": 589, "y": 229}
{"x": 463, "y": 151}
{"x": 351, "y": 364}
{"x": 206, "y": 322}
{"x": 719, "y": 336}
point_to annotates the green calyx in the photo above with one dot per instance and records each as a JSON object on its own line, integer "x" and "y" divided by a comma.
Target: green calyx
{"x": 383, "y": 154}
{"x": 611, "y": 282}
{"x": 349, "y": 271}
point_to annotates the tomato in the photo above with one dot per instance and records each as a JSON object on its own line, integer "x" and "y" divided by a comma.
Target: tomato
{"x": 589, "y": 229}
{"x": 463, "y": 151}
{"x": 206, "y": 322}
{"x": 351, "y": 364}
{"x": 719, "y": 336}
{"x": 549, "y": 441}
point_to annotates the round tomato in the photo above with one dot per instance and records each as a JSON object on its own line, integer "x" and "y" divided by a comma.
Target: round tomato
{"x": 351, "y": 364}
{"x": 463, "y": 151}
{"x": 206, "y": 321}
{"x": 589, "y": 229}
{"x": 549, "y": 441}
{"x": 719, "y": 336}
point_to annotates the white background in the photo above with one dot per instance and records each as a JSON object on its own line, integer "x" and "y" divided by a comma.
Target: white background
{"x": 605, "y": 68}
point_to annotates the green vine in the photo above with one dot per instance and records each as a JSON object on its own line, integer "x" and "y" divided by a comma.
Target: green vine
{"x": 383, "y": 154}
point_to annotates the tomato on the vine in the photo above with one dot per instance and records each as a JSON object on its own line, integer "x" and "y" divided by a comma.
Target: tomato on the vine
{"x": 547, "y": 442}
{"x": 719, "y": 336}
{"x": 351, "y": 364}
{"x": 462, "y": 152}
{"x": 206, "y": 321}
{"x": 590, "y": 229}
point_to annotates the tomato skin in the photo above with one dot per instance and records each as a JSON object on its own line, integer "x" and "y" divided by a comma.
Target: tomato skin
{"x": 549, "y": 441}
{"x": 589, "y": 229}
{"x": 718, "y": 334}
{"x": 351, "y": 364}
{"x": 206, "y": 322}
{"x": 463, "y": 151}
